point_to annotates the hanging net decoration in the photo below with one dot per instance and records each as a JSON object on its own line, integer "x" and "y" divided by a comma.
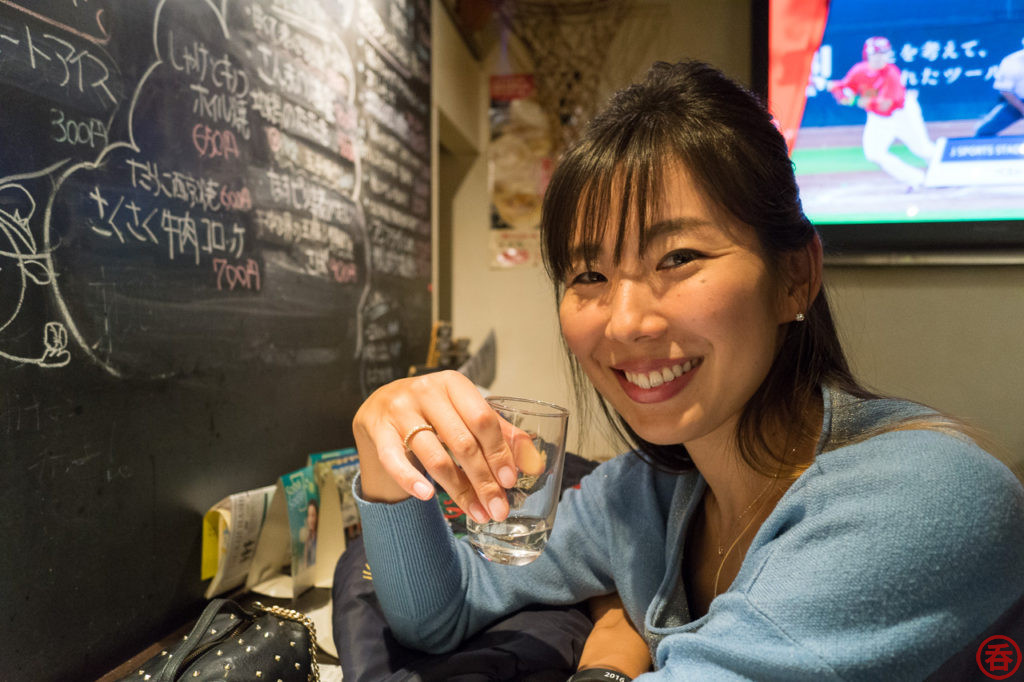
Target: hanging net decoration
{"x": 567, "y": 41}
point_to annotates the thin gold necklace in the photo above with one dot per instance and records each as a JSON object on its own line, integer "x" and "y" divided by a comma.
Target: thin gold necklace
{"x": 725, "y": 553}
{"x": 721, "y": 548}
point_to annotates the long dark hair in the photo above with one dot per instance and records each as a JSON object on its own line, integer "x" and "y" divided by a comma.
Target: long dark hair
{"x": 692, "y": 114}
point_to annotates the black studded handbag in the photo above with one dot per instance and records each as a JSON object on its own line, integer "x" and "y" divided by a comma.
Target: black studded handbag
{"x": 231, "y": 643}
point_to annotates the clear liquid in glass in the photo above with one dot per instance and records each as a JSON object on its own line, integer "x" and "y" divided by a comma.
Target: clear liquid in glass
{"x": 513, "y": 542}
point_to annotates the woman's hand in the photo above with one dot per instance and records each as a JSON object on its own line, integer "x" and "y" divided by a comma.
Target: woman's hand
{"x": 485, "y": 450}
{"x": 614, "y": 643}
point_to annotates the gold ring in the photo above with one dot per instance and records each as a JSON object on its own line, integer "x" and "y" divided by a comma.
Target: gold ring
{"x": 413, "y": 431}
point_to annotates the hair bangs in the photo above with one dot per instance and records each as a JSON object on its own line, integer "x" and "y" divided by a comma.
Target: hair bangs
{"x": 611, "y": 183}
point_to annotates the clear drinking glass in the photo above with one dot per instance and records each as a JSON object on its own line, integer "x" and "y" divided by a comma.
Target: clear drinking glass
{"x": 533, "y": 500}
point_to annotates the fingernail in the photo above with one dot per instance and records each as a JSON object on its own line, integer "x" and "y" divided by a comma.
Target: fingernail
{"x": 507, "y": 476}
{"x": 422, "y": 490}
{"x": 478, "y": 513}
{"x": 498, "y": 508}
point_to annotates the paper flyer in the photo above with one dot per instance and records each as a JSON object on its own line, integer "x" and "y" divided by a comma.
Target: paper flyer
{"x": 281, "y": 565}
{"x": 231, "y": 529}
{"x": 339, "y": 517}
{"x": 303, "y": 502}
{"x": 305, "y": 531}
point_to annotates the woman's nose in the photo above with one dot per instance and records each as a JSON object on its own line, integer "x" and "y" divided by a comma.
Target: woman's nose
{"x": 633, "y": 312}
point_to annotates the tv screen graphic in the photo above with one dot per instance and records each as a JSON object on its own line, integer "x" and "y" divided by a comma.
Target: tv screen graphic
{"x": 905, "y": 119}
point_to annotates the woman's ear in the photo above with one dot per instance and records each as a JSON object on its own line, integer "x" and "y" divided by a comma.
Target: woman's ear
{"x": 801, "y": 280}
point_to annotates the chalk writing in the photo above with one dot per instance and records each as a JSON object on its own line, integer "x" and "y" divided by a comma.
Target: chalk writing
{"x": 91, "y": 132}
{"x": 210, "y": 235}
{"x": 401, "y": 21}
{"x": 195, "y": 59}
{"x": 219, "y": 107}
{"x": 77, "y": 19}
{"x": 235, "y": 199}
{"x": 378, "y": 76}
{"x": 377, "y": 330}
{"x": 220, "y": 87}
{"x": 345, "y": 115}
{"x": 399, "y": 151}
{"x": 403, "y": 125}
{"x": 242, "y": 275}
{"x": 390, "y": 238}
{"x": 205, "y": 193}
{"x": 384, "y": 189}
{"x": 402, "y": 56}
{"x": 298, "y": 81}
{"x": 212, "y": 143}
{"x": 76, "y": 64}
{"x": 284, "y": 227}
{"x": 272, "y": 27}
{"x": 69, "y": 69}
{"x": 382, "y": 351}
{"x": 402, "y": 173}
{"x": 346, "y": 146}
{"x": 124, "y": 219}
{"x": 393, "y": 216}
{"x": 187, "y": 184}
{"x": 140, "y": 230}
{"x": 381, "y": 341}
{"x": 291, "y": 117}
{"x": 382, "y": 139}
{"x": 401, "y": 264}
{"x": 30, "y": 416}
{"x": 290, "y": 153}
{"x": 78, "y": 459}
{"x": 343, "y": 271}
{"x": 301, "y": 194}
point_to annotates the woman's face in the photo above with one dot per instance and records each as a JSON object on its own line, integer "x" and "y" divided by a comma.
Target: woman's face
{"x": 677, "y": 338}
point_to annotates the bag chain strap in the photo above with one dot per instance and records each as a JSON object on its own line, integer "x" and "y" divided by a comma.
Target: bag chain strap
{"x": 290, "y": 614}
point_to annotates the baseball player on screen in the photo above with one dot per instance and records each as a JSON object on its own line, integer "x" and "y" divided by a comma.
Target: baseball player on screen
{"x": 874, "y": 85}
{"x": 1009, "y": 83}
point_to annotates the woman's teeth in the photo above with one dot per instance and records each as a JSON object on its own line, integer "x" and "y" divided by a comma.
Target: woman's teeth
{"x": 659, "y": 377}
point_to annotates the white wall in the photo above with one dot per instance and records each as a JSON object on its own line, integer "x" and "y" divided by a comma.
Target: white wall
{"x": 947, "y": 336}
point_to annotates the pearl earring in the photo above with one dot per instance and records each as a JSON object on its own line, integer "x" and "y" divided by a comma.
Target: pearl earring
{"x": 800, "y": 317}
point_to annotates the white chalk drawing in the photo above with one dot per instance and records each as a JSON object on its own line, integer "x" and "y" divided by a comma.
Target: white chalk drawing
{"x": 24, "y": 264}
{"x": 228, "y": 96}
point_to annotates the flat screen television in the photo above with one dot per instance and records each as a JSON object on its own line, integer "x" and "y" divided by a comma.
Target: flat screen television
{"x": 882, "y": 103}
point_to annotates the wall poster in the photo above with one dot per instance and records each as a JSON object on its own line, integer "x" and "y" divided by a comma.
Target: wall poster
{"x": 519, "y": 166}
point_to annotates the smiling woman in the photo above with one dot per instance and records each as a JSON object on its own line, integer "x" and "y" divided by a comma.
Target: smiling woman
{"x": 772, "y": 511}
{"x": 700, "y": 296}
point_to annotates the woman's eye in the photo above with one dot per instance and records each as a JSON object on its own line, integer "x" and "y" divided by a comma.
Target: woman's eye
{"x": 588, "y": 277}
{"x": 677, "y": 258}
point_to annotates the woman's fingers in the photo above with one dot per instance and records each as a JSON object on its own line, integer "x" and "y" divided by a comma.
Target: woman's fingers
{"x": 525, "y": 454}
{"x": 432, "y": 455}
{"x": 469, "y": 450}
{"x": 485, "y": 425}
{"x": 479, "y": 455}
{"x": 420, "y": 487}
{"x": 384, "y": 465}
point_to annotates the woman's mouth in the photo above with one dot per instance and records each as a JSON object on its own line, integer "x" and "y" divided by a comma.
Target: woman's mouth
{"x": 652, "y": 386}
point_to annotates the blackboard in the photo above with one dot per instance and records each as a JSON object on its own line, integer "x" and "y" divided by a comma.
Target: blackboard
{"x": 214, "y": 242}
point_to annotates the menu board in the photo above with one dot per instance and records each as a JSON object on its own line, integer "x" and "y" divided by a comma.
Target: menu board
{"x": 214, "y": 243}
